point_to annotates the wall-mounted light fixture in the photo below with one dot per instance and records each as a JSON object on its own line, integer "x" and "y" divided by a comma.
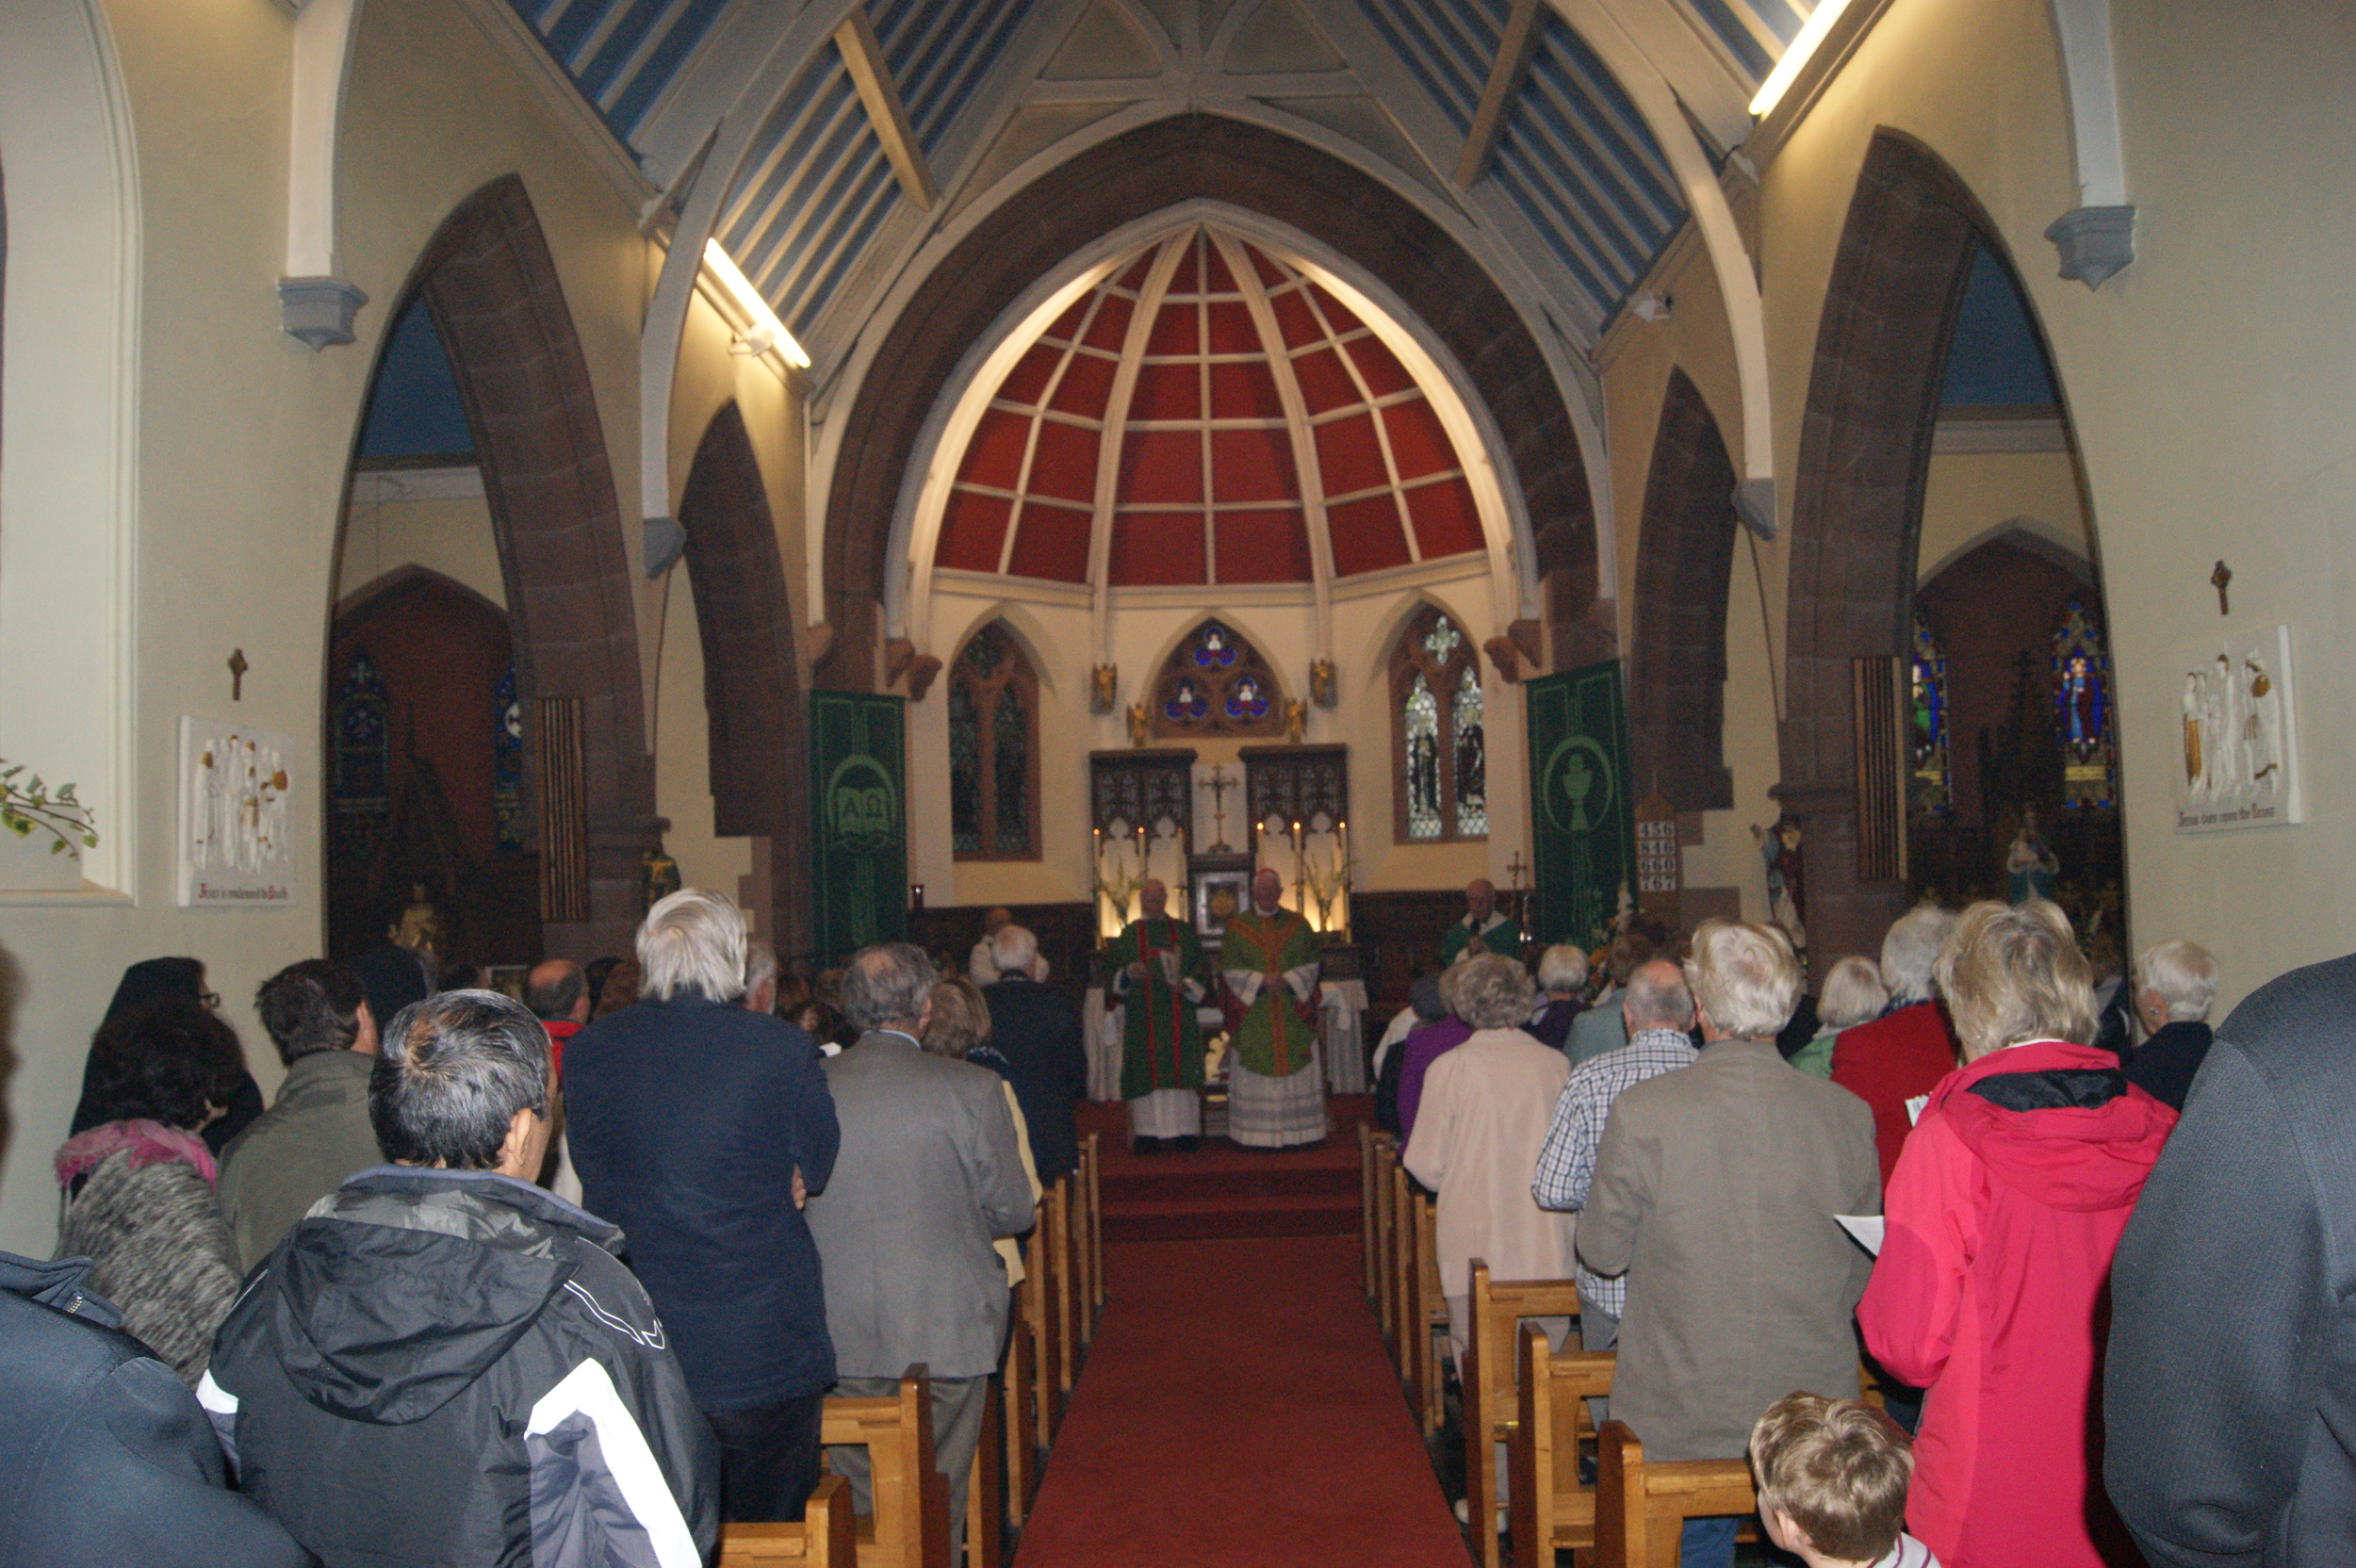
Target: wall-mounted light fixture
{"x": 766, "y": 332}
{"x": 1795, "y": 58}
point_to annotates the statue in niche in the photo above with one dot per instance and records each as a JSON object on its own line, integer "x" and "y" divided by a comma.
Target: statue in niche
{"x": 1296, "y": 720}
{"x": 2030, "y": 867}
{"x": 1105, "y": 688}
{"x": 1140, "y": 730}
{"x": 1787, "y": 881}
{"x": 1321, "y": 682}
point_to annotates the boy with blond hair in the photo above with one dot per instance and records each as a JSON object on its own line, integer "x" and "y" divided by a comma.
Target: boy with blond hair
{"x": 1832, "y": 1479}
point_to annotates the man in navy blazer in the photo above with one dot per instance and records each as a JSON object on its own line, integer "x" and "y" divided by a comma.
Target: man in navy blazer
{"x": 1038, "y": 1031}
{"x": 698, "y": 1126}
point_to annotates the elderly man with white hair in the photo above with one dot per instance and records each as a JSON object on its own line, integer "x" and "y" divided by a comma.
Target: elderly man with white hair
{"x": 1038, "y": 1031}
{"x": 2175, "y": 984}
{"x": 1484, "y": 928}
{"x": 1896, "y": 1061}
{"x": 695, "y": 1124}
{"x": 1714, "y": 1193}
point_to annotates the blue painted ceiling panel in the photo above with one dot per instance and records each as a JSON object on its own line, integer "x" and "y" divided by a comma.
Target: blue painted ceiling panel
{"x": 621, "y": 53}
{"x": 1446, "y": 46}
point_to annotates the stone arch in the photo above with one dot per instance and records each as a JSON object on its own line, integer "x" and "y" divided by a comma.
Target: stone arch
{"x": 1684, "y": 559}
{"x": 1131, "y": 177}
{"x": 752, "y": 686}
{"x": 491, "y": 285}
{"x": 1889, "y": 318}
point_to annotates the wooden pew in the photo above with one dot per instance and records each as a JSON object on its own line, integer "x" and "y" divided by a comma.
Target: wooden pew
{"x": 985, "y": 1492}
{"x": 1550, "y": 1507}
{"x": 827, "y": 1537}
{"x": 1385, "y": 1154}
{"x": 1402, "y": 1208}
{"x": 1038, "y": 1320}
{"x": 1489, "y": 1375}
{"x": 1366, "y": 1205}
{"x": 1056, "y": 1219}
{"x": 1428, "y": 1316}
{"x": 1640, "y": 1506}
{"x": 910, "y": 1528}
{"x": 1091, "y": 1235}
{"x": 1018, "y": 1400}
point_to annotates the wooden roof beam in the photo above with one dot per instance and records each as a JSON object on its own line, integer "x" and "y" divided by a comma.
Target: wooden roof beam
{"x": 1515, "y": 48}
{"x": 877, "y": 93}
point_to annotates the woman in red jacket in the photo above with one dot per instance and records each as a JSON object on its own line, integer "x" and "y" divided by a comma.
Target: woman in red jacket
{"x": 1993, "y": 1285}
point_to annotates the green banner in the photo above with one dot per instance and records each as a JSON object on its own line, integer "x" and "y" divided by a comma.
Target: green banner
{"x": 1582, "y": 818}
{"x": 858, "y": 872}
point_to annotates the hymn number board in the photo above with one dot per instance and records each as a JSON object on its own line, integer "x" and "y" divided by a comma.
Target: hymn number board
{"x": 1659, "y": 859}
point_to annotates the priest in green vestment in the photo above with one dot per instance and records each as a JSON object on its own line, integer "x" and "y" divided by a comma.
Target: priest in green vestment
{"x": 1482, "y": 923}
{"x": 1158, "y": 973}
{"x": 1275, "y": 1085}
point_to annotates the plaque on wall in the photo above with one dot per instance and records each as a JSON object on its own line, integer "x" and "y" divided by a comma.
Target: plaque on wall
{"x": 236, "y": 784}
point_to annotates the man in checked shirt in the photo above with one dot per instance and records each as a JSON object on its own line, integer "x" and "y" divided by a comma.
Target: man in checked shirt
{"x": 1659, "y": 1012}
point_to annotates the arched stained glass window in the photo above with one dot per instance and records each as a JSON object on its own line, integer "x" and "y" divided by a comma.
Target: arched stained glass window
{"x": 359, "y": 787}
{"x": 1930, "y": 789}
{"x": 507, "y": 762}
{"x": 993, "y": 750}
{"x": 1216, "y": 683}
{"x": 1437, "y": 719}
{"x": 2081, "y": 708}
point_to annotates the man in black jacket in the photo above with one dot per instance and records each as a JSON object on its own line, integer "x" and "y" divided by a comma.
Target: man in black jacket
{"x": 1037, "y": 1032}
{"x": 445, "y": 1364}
{"x": 2230, "y": 1392}
{"x": 696, "y": 1125}
{"x": 108, "y": 1456}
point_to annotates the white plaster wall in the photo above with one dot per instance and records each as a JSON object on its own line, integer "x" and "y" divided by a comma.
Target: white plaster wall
{"x": 450, "y": 537}
{"x": 1970, "y": 497}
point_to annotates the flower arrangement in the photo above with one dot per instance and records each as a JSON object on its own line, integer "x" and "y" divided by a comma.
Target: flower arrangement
{"x": 27, "y": 804}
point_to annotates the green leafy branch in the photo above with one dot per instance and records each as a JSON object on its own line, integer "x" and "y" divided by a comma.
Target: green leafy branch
{"x": 29, "y": 805}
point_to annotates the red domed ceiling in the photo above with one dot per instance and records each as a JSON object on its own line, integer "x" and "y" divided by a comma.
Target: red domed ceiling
{"x": 1168, "y": 384}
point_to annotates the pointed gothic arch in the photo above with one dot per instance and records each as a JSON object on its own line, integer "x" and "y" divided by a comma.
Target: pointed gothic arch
{"x": 1897, "y": 283}
{"x": 490, "y": 283}
{"x": 1684, "y": 559}
{"x": 752, "y": 685}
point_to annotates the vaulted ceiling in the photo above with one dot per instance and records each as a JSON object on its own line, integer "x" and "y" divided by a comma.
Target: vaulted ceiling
{"x": 853, "y": 136}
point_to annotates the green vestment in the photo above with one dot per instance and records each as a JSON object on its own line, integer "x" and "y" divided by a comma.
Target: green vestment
{"x": 1500, "y": 937}
{"x": 1161, "y": 1043}
{"x": 1276, "y": 1036}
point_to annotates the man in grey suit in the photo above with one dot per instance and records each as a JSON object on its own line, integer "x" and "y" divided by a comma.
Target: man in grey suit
{"x": 928, "y": 1173}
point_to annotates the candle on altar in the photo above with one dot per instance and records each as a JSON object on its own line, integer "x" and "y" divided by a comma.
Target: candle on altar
{"x": 1341, "y": 847}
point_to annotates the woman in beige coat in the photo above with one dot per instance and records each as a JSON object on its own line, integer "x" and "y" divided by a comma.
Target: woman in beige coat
{"x": 1478, "y": 1132}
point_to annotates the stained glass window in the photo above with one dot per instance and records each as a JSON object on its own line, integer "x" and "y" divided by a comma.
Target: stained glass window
{"x": 2081, "y": 708}
{"x": 1443, "y": 747}
{"x": 1216, "y": 683}
{"x": 1927, "y": 713}
{"x": 993, "y": 750}
{"x": 1472, "y": 758}
{"x": 507, "y": 762}
{"x": 1422, "y": 717}
{"x": 358, "y": 789}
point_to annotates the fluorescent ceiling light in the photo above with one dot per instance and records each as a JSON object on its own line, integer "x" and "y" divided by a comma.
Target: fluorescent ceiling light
{"x": 767, "y": 332}
{"x": 1795, "y": 58}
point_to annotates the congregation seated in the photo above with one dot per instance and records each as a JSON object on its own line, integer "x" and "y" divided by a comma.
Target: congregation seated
{"x": 694, "y": 1124}
{"x": 1902, "y": 1054}
{"x": 1853, "y": 994}
{"x": 929, "y": 1176}
{"x": 2003, "y": 1217}
{"x": 528, "y": 1410}
{"x": 136, "y": 1187}
{"x": 1562, "y": 994}
{"x": 1038, "y": 1031}
{"x": 1832, "y": 1477}
{"x": 2175, "y": 982}
{"x": 317, "y": 1131}
{"x": 1730, "y": 1304}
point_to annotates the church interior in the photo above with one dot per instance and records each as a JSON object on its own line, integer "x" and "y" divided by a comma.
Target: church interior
{"x": 882, "y": 461}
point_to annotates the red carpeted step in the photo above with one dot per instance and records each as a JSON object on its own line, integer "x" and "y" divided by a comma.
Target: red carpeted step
{"x": 1238, "y": 1411}
{"x": 1179, "y": 1179}
{"x": 1182, "y": 1218}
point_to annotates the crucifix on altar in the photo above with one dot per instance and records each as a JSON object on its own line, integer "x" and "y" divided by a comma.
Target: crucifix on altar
{"x": 1219, "y": 784}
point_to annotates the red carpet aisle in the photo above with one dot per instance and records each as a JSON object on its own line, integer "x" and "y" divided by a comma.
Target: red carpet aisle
{"x": 1221, "y": 1190}
{"x": 1237, "y": 1410}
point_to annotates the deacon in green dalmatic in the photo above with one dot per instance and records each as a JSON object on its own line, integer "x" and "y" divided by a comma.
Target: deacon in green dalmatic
{"x": 1275, "y": 1087}
{"x": 1159, "y": 976}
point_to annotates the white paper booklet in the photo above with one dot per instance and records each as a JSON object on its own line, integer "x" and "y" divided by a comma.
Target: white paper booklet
{"x": 1864, "y": 1229}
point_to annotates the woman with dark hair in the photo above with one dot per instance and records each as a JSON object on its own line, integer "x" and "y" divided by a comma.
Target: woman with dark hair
{"x": 154, "y": 980}
{"x": 136, "y": 1187}
{"x": 959, "y": 1030}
